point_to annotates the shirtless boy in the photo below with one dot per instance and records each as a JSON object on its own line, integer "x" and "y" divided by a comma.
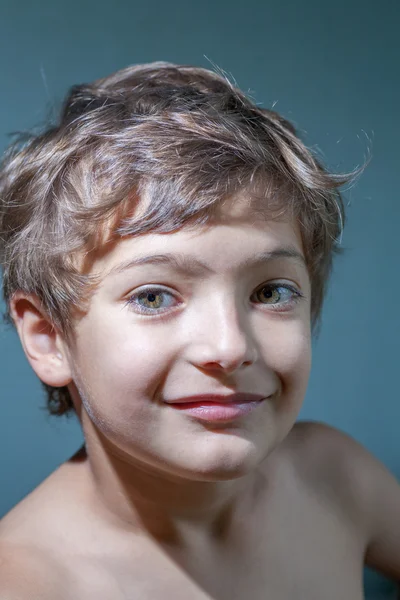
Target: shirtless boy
{"x": 169, "y": 239}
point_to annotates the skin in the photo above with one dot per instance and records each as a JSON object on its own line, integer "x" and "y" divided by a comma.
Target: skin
{"x": 153, "y": 482}
{"x": 212, "y": 339}
{"x": 157, "y": 504}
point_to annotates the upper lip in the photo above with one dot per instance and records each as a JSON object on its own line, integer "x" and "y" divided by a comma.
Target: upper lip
{"x": 222, "y": 398}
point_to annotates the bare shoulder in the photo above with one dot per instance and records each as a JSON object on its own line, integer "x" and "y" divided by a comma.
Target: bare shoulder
{"x": 340, "y": 468}
{"x": 322, "y": 441}
{"x": 326, "y": 438}
{"x": 33, "y": 536}
{"x": 364, "y": 485}
{"x": 328, "y": 462}
{"x": 26, "y": 573}
{"x": 336, "y": 452}
{"x": 331, "y": 454}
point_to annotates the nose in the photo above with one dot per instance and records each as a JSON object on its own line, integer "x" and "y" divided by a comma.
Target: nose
{"x": 223, "y": 340}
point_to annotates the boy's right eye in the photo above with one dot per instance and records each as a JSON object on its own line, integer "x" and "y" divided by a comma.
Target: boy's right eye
{"x": 150, "y": 295}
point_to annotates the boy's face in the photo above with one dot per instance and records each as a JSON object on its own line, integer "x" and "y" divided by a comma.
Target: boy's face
{"x": 226, "y": 329}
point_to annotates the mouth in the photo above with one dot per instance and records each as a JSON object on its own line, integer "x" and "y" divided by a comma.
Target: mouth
{"x": 221, "y": 409}
{"x": 218, "y": 398}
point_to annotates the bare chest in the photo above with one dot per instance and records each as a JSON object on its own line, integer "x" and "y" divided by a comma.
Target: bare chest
{"x": 302, "y": 547}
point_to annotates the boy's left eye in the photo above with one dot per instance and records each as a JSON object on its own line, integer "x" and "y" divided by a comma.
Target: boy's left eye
{"x": 275, "y": 295}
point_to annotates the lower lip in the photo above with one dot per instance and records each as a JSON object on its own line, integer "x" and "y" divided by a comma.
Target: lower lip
{"x": 216, "y": 411}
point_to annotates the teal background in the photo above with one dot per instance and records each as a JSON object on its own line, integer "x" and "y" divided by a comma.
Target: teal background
{"x": 330, "y": 67}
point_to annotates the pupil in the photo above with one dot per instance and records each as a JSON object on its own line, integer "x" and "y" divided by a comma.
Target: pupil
{"x": 152, "y": 297}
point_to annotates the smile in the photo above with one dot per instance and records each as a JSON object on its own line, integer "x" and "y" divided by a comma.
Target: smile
{"x": 218, "y": 411}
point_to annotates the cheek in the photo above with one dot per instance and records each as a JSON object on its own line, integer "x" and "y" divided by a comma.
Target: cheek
{"x": 287, "y": 351}
{"x": 116, "y": 364}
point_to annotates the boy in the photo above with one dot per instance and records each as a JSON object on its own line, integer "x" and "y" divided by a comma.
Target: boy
{"x": 164, "y": 182}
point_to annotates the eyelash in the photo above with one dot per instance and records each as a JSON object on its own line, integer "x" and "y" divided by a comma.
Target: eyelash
{"x": 297, "y": 296}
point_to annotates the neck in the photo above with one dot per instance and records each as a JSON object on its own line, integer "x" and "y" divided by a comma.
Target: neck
{"x": 138, "y": 498}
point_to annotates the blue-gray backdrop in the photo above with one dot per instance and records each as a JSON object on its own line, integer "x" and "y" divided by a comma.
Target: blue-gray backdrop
{"x": 330, "y": 67}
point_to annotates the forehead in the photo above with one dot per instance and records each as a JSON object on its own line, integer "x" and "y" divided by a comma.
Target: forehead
{"x": 240, "y": 225}
{"x": 238, "y": 230}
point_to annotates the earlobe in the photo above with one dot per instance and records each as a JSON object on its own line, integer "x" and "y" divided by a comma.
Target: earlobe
{"x": 42, "y": 343}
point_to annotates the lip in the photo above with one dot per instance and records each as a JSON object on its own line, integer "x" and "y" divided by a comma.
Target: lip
{"x": 217, "y": 408}
{"x": 241, "y": 397}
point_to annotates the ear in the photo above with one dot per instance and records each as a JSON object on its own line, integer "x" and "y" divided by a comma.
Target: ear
{"x": 42, "y": 343}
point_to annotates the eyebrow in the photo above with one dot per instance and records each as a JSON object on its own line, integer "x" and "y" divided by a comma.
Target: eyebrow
{"x": 189, "y": 265}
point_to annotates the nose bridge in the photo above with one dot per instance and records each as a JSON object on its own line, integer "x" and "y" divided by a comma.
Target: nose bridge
{"x": 225, "y": 330}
